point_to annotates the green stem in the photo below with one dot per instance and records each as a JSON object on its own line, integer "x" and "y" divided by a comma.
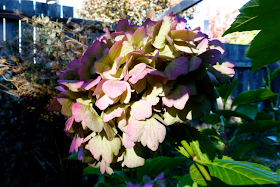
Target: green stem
{"x": 188, "y": 148}
{"x": 203, "y": 171}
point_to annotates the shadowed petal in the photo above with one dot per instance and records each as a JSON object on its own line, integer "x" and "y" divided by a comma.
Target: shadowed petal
{"x": 178, "y": 97}
{"x": 177, "y": 67}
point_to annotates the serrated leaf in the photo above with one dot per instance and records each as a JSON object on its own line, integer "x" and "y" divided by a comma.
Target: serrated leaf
{"x": 257, "y": 126}
{"x": 196, "y": 175}
{"x": 253, "y": 96}
{"x": 241, "y": 173}
{"x": 226, "y": 90}
{"x": 254, "y": 16}
{"x": 243, "y": 149}
{"x": 212, "y": 119}
{"x": 155, "y": 166}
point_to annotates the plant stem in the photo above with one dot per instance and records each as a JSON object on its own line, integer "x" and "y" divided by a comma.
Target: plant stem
{"x": 188, "y": 148}
{"x": 203, "y": 171}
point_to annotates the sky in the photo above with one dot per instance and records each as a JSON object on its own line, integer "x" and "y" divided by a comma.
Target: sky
{"x": 202, "y": 7}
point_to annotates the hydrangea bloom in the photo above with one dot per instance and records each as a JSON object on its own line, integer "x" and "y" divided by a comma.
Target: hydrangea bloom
{"x": 132, "y": 83}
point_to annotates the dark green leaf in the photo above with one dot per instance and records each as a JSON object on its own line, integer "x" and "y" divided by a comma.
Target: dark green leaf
{"x": 274, "y": 74}
{"x": 226, "y": 90}
{"x": 274, "y": 111}
{"x": 263, "y": 116}
{"x": 253, "y": 96}
{"x": 247, "y": 109}
{"x": 254, "y": 16}
{"x": 73, "y": 156}
{"x": 117, "y": 176}
{"x": 155, "y": 166}
{"x": 257, "y": 126}
{"x": 196, "y": 175}
{"x": 212, "y": 119}
{"x": 229, "y": 113}
{"x": 264, "y": 48}
{"x": 243, "y": 149}
{"x": 241, "y": 173}
{"x": 208, "y": 132}
{"x": 91, "y": 171}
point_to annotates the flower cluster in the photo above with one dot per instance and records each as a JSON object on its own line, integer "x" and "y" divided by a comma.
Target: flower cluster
{"x": 132, "y": 83}
{"x": 159, "y": 181}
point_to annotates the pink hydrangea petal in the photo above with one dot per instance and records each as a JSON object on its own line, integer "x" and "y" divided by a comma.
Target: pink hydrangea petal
{"x": 72, "y": 146}
{"x": 154, "y": 134}
{"x": 115, "y": 111}
{"x": 113, "y": 88}
{"x": 79, "y": 141}
{"x": 177, "y": 67}
{"x": 102, "y": 167}
{"x": 79, "y": 111}
{"x": 69, "y": 123}
{"x": 136, "y": 73}
{"x": 178, "y": 97}
{"x": 135, "y": 129}
{"x": 103, "y": 102}
{"x": 128, "y": 144}
{"x": 88, "y": 84}
{"x": 92, "y": 120}
{"x": 141, "y": 110}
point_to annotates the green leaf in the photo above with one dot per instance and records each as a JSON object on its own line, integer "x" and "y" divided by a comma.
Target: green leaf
{"x": 263, "y": 116}
{"x": 253, "y": 96}
{"x": 254, "y": 16}
{"x": 243, "y": 149}
{"x": 264, "y": 48}
{"x": 73, "y": 156}
{"x": 240, "y": 173}
{"x": 117, "y": 176}
{"x": 155, "y": 166}
{"x": 273, "y": 110}
{"x": 196, "y": 175}
{"x": 274, "y": 74}
{"x": 257, "y": 126}
{"x": 226, "y": 90}
{"x": 248, "y": 109}
{"x": 212, "y": 119}
{"x": 208, "y": 132}
{"x": 186, "y": 181}
{"x": 229, "y": 113}
{"x": 91, "y": 171}
{"x": 201, "y": 146}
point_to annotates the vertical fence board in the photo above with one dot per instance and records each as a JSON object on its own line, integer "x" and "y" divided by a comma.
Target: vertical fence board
{"x": 67, "y": 11}
{"x": 27, "y": 6}
{"x": 11, "y": 29}
{"x": 54, "y": 10}
{"x": 41, "y": 8}
{"x": 1, "y": 29}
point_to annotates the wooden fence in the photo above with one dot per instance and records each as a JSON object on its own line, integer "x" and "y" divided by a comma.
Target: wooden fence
{"x": 247, "y": 80}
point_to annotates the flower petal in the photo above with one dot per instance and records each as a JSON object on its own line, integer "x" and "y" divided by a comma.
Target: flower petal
{"x": 115, "y": 111}
{"x": 178, "y": 97}
{"x": 141, "y": 110}
{"x": 177, "y": 67}
{"x": 113, "y": 88}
